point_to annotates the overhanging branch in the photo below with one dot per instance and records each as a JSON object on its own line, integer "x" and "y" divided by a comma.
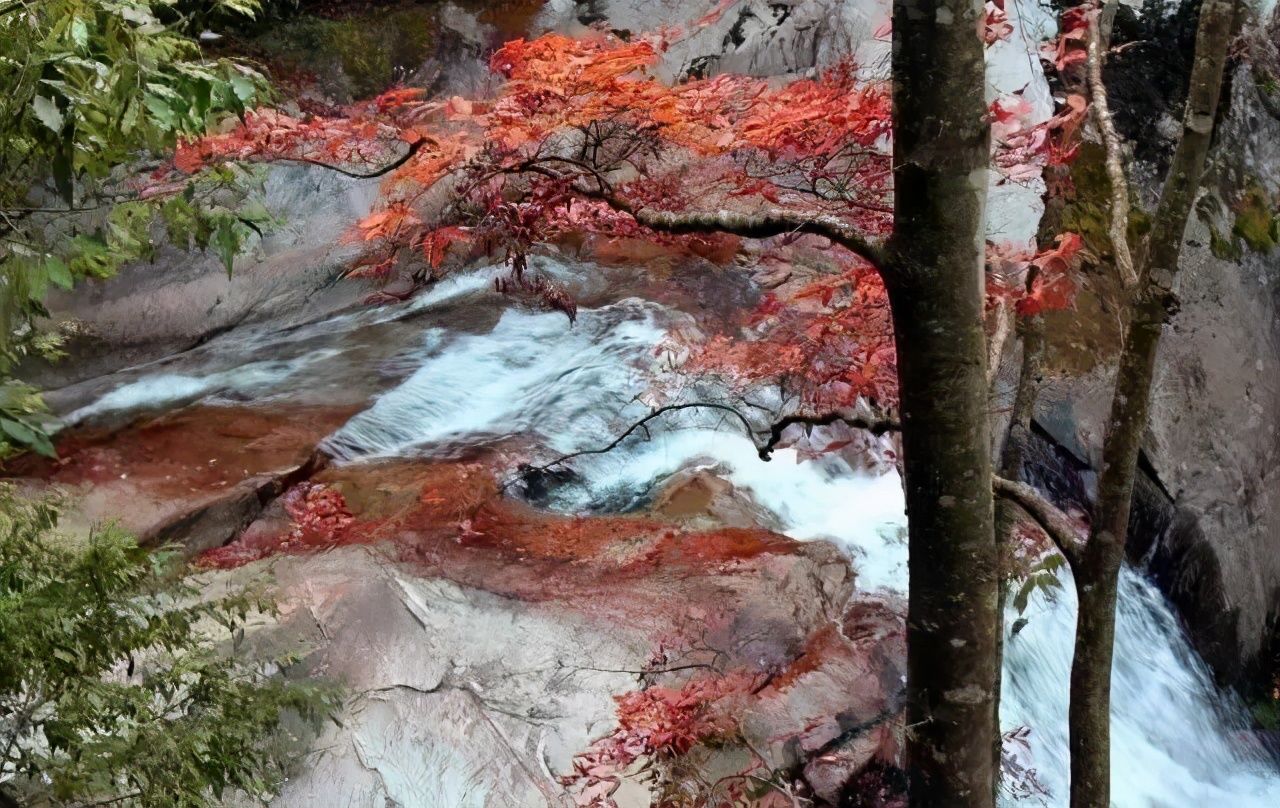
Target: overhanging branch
{"x": 1053, "y": 521}
{"x": 761, "y": 225}
{"x": 764, "y": 224}
{"x": 772, "y": 434}
{"x": 875, "y": 427}
{"x": 413, "y": 149}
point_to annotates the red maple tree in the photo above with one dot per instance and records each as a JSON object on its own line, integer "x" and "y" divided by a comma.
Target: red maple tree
{"x": 581, "y": 137}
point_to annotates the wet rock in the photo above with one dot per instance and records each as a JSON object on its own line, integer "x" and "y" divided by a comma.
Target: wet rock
{"x": 572, "y": 611}
{"x": 197, "y": 477}
{"x": 700, "y": 496}
{"x": 846, "y": 686}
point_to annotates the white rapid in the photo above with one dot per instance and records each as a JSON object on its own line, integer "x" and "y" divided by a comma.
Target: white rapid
{"x": 1176, "y": 740}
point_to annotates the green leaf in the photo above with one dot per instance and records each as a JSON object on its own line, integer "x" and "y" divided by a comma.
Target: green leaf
{"x": 161, "y": 112}
{"x": 129, "y": 119}
{"x": 244, "y": 88}
{"x": 46, "y": 109}
{"x": 226, "y": 242}
{"x": 58, "y": 272}
{"x": 80, "y": 32}
{"x": 18, "y": 431}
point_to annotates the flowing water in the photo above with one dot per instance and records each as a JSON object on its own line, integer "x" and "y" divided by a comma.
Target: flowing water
{"x": 455, "y": 368}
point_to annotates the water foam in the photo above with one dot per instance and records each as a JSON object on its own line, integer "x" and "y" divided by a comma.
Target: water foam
{"x": 159, "y": 390}
{"x": 532, "y": 374}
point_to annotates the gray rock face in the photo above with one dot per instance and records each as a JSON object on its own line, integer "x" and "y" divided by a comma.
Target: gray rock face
{"x": 150, "y": 310}
{"x": 1208, "y": 513}
{"x": 1214, "y": 439}
{"x": 437, "y": 718}
{"x": 753, "y": 37}
{"x": 460, "y": 696}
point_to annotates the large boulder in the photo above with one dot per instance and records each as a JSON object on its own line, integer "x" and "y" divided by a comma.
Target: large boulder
{"x": 573, "y": 611}
{"x": 1207, "y": 514}
{"x": 182, "y": 299}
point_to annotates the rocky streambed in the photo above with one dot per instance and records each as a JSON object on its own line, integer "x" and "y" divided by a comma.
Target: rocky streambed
{"x": 492, "y": 627}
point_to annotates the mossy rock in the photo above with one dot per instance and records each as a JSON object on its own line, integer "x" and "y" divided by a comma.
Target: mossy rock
{"x": 1088, "y": 212}
{"x": 1225, "y": 248}
{"x": 1256, "y": 222}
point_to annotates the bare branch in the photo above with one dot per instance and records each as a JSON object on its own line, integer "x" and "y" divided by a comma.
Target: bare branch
{"x": 1119, "y": 230}
{"x": 642, "y": 424}
{"x": 414, "y": 147}
{"x": 875, "y": 427}
{"x": 765, "y": 450}
{"x": 760, "y": 225}
{"x": 1053, "y": 521}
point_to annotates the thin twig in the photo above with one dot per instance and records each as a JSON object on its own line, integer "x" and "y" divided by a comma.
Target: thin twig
{"x": 875, "y": 427}
{"x": 660, "y": 411}
{"x": 764, "y": 450}
{"x": 414, "y": 147}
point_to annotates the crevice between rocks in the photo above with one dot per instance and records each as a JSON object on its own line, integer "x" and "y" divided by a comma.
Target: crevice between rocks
{"x": 217, "y": 523}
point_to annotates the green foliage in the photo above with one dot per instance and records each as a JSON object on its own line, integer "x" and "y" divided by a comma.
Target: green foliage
{"x": 1266, "y": 714}
{"x": 22, "y": 421}
{"x": 92, "y": 87}
{"x": 1225, "y": 248}
{"x": 1256, "y": 221}
{"x": 1043, "y": 576}
{"x": 212, "y": 213}
{"x": 112, "y": 685}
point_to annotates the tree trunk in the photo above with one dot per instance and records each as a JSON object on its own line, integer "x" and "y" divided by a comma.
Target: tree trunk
{"x": 935, "y": 282}
{"x": 1097, "y": 576}
{"x": 1013, "y": 455}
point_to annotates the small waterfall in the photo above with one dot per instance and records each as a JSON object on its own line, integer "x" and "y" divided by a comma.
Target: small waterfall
{"x": 1175, "y": 740}
{"x": 532, "y": 374}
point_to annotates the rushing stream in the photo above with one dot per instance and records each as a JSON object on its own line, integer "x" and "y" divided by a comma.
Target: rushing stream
{"x": 444, "y": 377}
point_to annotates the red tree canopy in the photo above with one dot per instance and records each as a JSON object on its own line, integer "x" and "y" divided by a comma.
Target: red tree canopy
{"x": 581, "y": 137}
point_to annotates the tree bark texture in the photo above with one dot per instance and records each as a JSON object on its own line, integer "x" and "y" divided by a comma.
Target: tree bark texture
{"x": 935, "y": 282}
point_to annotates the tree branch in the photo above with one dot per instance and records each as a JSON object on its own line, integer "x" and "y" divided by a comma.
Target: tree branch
{"x": 875, "y": 427}
{"x": 1182, "y": 183}
{"x": 765, "y": 450}
{"x": 641, "y": 424}
{"x": 414, "y": 147}
{"x": 1119, "y": 228}
{"x": 761, "y": 225}
{"x": 1053, "y": 521}
{"x": 758, "y": 225}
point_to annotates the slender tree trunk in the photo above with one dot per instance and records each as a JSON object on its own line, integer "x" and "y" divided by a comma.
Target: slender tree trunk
{"x": 1013, "y": 454}
{"x": 1098, "y": 574}
{"x": 941, "y": 148}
